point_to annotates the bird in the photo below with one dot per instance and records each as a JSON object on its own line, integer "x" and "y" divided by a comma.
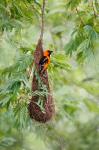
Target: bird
{"x": 45, "y": 61}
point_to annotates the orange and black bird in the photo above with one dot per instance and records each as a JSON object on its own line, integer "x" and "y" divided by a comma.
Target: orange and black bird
{"x": 45, "y": 61}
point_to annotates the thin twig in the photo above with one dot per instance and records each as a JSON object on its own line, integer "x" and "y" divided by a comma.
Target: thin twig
{"x": 79, "y": 16}
{"x": 92, "y": 5}
{"x": 42, "y": 20}
{"x": 94, "y": 9}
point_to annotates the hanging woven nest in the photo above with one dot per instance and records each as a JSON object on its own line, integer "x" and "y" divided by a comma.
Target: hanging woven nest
{"x": 41, "y": 106}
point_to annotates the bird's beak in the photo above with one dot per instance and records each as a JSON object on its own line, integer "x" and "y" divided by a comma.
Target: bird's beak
{"x": 51, "y": 52}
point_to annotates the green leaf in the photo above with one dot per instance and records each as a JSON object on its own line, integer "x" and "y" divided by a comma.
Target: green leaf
{"x": 92, "y": 106}
{"x": 5, "y": 100}
{"x": 70, "y": 108}
{"x": 72, "y": 3}
{"x": 60, "y": 61}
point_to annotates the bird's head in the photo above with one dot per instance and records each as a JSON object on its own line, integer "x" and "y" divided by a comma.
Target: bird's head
{"x": 47, "y": 53}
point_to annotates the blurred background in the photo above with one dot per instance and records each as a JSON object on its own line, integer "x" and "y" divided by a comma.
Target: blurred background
{"x": 72, "y": 32}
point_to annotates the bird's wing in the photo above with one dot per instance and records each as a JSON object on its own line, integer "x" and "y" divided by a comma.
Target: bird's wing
{"x": 43, "y": 60}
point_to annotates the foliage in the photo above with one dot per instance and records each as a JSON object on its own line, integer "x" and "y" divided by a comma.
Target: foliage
{"x": 85, "y": 34}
